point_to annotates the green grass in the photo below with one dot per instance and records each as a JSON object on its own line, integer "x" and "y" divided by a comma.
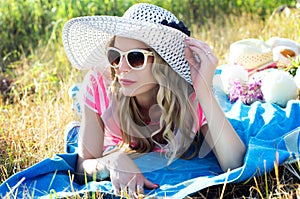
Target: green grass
{"x": 31, "y": 128}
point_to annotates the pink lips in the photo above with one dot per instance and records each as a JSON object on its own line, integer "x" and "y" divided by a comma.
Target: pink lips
{"x": 126, "y": 82}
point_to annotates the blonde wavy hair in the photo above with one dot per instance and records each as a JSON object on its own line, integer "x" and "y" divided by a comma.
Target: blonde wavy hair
{"x": 178, "y": 114}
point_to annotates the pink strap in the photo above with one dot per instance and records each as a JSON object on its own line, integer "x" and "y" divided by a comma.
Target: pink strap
{"x": 201, "y": 117}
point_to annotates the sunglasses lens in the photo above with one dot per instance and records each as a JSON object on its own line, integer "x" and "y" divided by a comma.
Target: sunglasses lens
{"x": 136, "y": 59}
{"x": 113, "y": 57}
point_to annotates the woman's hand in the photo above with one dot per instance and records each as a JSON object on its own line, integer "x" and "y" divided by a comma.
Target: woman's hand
{"x": 202, "y": 62}
{"x": 126, "y": 177}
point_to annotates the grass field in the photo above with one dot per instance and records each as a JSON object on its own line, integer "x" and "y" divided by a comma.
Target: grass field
{"x": 31, "y": 128}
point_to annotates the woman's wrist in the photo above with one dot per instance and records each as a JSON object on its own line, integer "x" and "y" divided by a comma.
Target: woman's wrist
{"x": 204, "y": 93}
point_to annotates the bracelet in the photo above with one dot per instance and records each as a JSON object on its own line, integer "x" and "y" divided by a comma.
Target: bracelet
{"x": 102, "y": 171}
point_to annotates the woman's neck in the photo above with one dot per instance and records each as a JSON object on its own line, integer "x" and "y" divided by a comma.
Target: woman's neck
{"x": 145, "y": 102}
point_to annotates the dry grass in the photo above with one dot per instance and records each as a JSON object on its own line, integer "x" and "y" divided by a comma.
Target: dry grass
{"x": 220, "y": 36}
{"x": 280, "y": 183}
{"x": 31, "y": 129}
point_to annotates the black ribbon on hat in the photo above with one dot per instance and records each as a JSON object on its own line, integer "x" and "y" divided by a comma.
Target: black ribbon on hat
{"x": 179, "y": 26}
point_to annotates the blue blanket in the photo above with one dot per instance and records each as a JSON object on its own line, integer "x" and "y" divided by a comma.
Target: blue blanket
{"x": 265, "y": 128}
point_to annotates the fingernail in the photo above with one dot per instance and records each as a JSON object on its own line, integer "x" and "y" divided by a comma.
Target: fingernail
{"x": 155, "y": 186}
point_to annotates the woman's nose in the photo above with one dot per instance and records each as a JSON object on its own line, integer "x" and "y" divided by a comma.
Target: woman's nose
{"x": 124, "y": 65}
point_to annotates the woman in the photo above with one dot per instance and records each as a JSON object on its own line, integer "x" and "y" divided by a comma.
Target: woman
{"x": 158, "y": 98}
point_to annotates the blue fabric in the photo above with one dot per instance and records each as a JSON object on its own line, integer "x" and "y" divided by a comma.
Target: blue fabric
{"x": 265, "y": 128}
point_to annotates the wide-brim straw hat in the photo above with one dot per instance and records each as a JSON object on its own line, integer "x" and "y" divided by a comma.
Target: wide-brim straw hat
{"x": 85, "y": 39}
{"x": 250, "y": 53}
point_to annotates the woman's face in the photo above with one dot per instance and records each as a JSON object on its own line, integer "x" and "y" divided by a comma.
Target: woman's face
{"x": 134, "y": 82}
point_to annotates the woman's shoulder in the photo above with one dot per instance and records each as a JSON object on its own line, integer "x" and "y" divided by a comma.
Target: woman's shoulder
{"x": 96, "y": 94}
{"x": 93, "y": 75}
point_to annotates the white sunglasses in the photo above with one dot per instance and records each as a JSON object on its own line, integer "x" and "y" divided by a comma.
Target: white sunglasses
{"x": 136, "y": 58}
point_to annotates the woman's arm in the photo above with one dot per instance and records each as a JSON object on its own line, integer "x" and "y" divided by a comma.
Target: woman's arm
{"x": 90, "y": 143}
{"x": 91, "y": 161}
{"x": 219, "y": 134}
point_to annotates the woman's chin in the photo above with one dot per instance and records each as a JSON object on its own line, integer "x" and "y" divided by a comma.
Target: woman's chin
{"x": 128, "y": 92}
{"x": 146, "y": 89}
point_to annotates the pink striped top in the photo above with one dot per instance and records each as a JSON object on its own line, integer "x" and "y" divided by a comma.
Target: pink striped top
{"x": 97, "y": 98}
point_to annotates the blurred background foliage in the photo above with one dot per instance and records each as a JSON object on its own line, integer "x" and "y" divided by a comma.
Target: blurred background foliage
{"x": 25, "y": 24}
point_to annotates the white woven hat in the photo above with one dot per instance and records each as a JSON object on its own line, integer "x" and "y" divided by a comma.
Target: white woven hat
{"x": 250, "y": 53}
{"x": 85, "y": 38}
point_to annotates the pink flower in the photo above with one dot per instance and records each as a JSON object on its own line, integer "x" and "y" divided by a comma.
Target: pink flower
{"x": 246, "y": 92}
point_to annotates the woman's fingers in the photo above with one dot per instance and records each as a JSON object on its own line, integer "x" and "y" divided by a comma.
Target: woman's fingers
{"x": 150, "y": 185}
{"x": 202, "y": 62}
{"x": 134, "y": 187}
{"x": 123, "y": 189}
{"x": 137, "y": 185}
{"x": 116, "y": 187}
{"x": 201, "y": 50}
{"x": 136, "y": 191}
{"x": 191, "y": 57}
{"x": 206, "y": 58}
{"x": 197, "y": 43}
